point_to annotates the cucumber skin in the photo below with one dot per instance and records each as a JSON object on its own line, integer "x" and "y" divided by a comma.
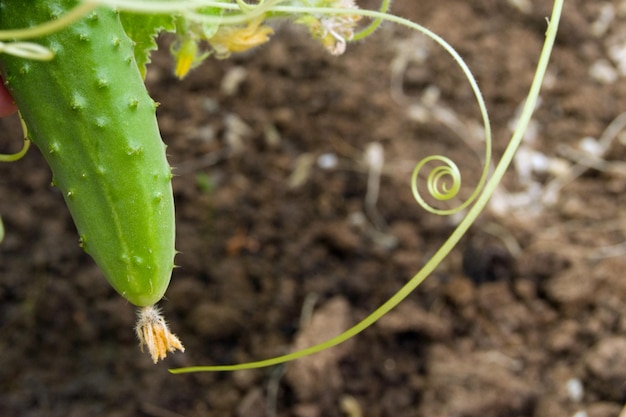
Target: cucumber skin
{"x": 89, "y": 113}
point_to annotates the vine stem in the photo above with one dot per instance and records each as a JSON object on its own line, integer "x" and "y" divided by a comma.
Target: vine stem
{"x": 454, "y": 238}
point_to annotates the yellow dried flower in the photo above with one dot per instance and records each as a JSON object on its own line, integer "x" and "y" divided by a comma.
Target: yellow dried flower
{"x": 153, "y": 333}
{"x": 230, "y": 39}
{"x": 334, "y": 30}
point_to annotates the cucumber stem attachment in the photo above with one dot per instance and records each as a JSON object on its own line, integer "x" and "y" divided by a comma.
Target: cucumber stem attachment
{"x": 154, "y": 334}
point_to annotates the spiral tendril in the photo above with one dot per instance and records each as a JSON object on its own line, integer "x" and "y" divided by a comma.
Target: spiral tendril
{"x": 455, "y": 237}
{"x": 443, "y": 181}
{"x": 18, "y": 155}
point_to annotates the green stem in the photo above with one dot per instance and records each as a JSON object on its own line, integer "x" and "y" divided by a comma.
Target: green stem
{"x": 368, "y": 30}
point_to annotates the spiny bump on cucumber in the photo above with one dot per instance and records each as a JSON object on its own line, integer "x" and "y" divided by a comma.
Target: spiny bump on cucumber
{"x": 55, "y": 11}
{"x": 24, "y": 69}
{"x": 83, "y": 36}
{"x": 116, "y": 42}
{"x": 101, "y": 122}
{"x": 78, "y": 101}
{"x": 103, "y": 82}
{"x": 55, "y": 47}
{"x": 92, "y": 17}
{"x": 90, "y": 114}
{"x": 134, "y": 150}
{"x": 54, "y": 147}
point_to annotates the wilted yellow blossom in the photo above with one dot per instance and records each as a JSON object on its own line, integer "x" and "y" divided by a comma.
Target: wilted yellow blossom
{"x": 153, "y": 333}
{"x": 230, "y": 39}
{"x": 333, "y": 30}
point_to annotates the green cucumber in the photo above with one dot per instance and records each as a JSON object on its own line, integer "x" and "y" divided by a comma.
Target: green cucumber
{"x": 89, "y": 113}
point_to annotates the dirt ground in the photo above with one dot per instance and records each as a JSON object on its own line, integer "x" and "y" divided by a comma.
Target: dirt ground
{"x": 282, "y": 244}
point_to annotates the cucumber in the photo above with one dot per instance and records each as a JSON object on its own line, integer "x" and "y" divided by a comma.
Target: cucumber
{"x": 89, "y": 113}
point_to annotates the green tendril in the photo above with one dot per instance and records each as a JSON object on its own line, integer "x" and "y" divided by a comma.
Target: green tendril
{"x": 11, "y": 158}
{"x": 18, "y": 155}
{"x": 52, "y": 26}
{"x": 444, "y": 182}
{"x": 454, "y": 238}
{"x": 371, "y": 28}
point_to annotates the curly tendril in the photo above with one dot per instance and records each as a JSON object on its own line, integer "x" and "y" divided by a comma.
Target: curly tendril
{"x": 12, "y": 158}
{"x": 18, "y": 155}
{"x": 457, "y": 234}
{"x": 443, "y": 181}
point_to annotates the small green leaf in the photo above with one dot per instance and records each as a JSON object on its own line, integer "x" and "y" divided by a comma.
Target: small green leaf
{"x": 143, "y": 30}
